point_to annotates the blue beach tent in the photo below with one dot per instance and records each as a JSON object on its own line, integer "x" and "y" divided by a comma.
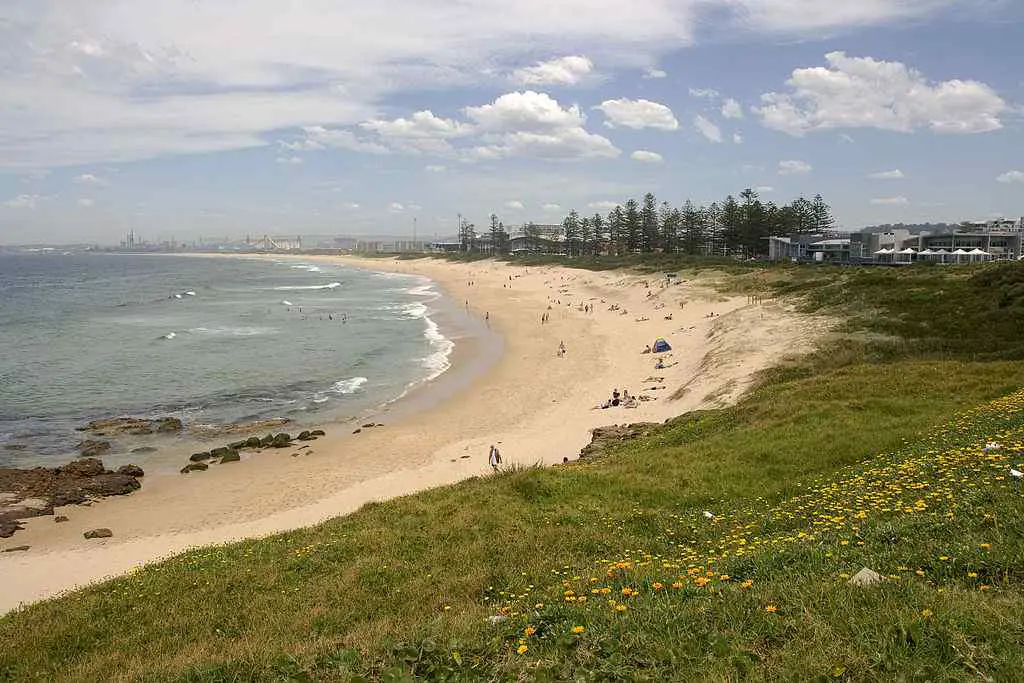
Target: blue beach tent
{"x": 661, "y": 346}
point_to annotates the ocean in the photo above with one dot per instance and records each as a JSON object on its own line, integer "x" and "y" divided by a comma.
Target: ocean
{"x": 211, "y": 341}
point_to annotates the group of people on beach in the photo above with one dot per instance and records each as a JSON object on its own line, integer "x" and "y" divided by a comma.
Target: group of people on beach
{"x": 619, "y": 399}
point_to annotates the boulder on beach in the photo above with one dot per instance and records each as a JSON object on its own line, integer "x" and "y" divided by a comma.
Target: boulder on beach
{"x": 131, "y": 470}
{"x": 282, "y": 441}
{"x": 220, "y": 452}
{"x": 60, "y": 518}
{"x": 230, "y": 456}
{"x": 99, "y": 533}
{"x": 92, "y": 447}
{"x": 253, "y": 442}
{"x": 318, "y": 432}
{"x": 145, "y": 449}
{"x": 267, "y": 441}
{"x": 209, "y": 430}
{"x": 37, "y": 491}
{"x": 199, "y": 457}
{"x": 305, "y": 436}
{"x": 195, "y": 467}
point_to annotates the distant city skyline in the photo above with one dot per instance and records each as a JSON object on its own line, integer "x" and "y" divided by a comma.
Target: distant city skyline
{"x": 184, "y": 119}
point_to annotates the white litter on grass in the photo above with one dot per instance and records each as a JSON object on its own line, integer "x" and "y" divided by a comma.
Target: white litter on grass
{"x": 1017, "y": 474}
{"x": 991, "y": 446}
{"x": 708, "y": 515}
{"x": 496, "y": 619}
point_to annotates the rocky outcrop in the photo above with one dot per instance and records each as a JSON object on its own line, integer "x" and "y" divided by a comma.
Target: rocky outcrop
{"x": 26, "y": 493}
{"x": 230, "y": 452}
{"x": 239, "y": 428}
{"x": 131, "y": 470}
{"x": 195, "y": 467}
{"x": 604, "y": 438}
{"x": 116, "y": 426}
{"x": 90, "y": 448}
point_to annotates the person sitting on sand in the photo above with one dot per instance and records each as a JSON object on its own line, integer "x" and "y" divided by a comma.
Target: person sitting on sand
{"x": 660, "y": 365}
{"x": 647, "y": 349}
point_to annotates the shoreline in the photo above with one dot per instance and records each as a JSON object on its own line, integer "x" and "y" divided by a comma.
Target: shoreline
{"x": 537, "y": 405}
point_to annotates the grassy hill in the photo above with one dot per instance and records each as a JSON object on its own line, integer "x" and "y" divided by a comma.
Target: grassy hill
{"x": 868, "y": 453}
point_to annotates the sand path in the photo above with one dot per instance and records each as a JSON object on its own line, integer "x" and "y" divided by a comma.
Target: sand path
{"x": 535, "y": 403}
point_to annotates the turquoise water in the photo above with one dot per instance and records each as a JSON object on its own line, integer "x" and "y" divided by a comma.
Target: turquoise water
{"x": 211, "y": 341}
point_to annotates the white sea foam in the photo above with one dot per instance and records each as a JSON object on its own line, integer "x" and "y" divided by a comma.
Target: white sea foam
{"x": 348, "y": 386}
{"x": 414, "y": 311}
{"x": 169, "y": 335}
{"x": 333, "y": 285}
{"x": 426, "y": 290}
{"x": 233, "y": 331}
{"x": 307, "y": 267}
{"x": 287, "y": 303}
{"x": 438, "y": 361}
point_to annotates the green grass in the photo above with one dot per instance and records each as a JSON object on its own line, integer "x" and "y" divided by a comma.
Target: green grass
{"x": 404, "y": 589}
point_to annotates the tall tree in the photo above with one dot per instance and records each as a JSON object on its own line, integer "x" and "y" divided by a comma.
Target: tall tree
{"x": 495, "y": 235}
{"x": 617, "y": 230}
{"x": 731, "y": 221}
{"x": 649, "y": 224}
{"x": 586, "y": 236}
{"x": 803, "y": 212}
{"x": 571, "y": 231}
{"x": 692, "y": 228}
{"x": 599, "y": 233}
{"x": 821, "y": 215}
{"x": 633, "y": 227}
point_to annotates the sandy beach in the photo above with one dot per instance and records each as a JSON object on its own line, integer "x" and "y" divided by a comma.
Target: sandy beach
{"x": 536, "y": 404}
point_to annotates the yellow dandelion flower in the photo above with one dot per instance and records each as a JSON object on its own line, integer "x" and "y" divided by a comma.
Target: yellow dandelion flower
{"x": 746, "y": 584}
{"x": 620, "y": 607}
{"x": 972, "y": 575}
{"x": 578, "y": 629}
{"x": 771, "y": 609}
{"x": 985, "y": 546}
{"x": 677, "y": 585}
{"x": 657, "y": 585}
{"x": 529, "y": 631}
{"x": 522, "y": 650}
{"x": 926, "y": 613}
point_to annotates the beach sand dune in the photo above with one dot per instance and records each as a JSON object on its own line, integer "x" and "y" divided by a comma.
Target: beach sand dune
{"x": 536, "y": 403}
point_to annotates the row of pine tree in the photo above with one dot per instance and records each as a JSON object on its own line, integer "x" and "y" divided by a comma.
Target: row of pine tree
{"x": 732, "y": 227}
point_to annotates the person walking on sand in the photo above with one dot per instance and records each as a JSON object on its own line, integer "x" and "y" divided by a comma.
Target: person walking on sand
{"x": 494, "y": 459}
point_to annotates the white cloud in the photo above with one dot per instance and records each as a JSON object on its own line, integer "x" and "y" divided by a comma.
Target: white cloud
{"x": 514, "y": 204}
{"x": 644, "y": 155}
{"x": 731, "y": 109}
{"x": 551, "y": 207}
{"x": 794, "y": 167}
{"x": 1011, "y": 177}
{"x": 704, "y": 93}
{"x": 85, "y": 203}
{"x": 650, "y": 72}
{"x": 24, "y": 201}
{"x": 90, "y": 179}
{"x": 119, "y": 81}
{"x": 435, "y": 168}
{"x": 895, "y": 174}
{"x": 603, "y": 205}
{"x": 414, "y": 207}
{"x": 289, "y": 161}
{"x": 562, "y": 71}
{"x": 890, "y": 201}
{"x": 764, "y": 189}
{"x": 532, "y": 124}
{"x": 862, "y": 92}
{"x": 319, "y": 137}
{"x": 707, "y": 128}
{"x": 638, "y": 114}
{"x": 396, "y": 207}
{"x": 421, "y": 132}
{"x": 737, "y": 138}
{"x": 351, "y": 206}
{"x": 843, "y": 137}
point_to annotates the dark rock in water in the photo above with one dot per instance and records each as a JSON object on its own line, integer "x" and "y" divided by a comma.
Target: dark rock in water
{"x": 132, "y": 425}
{"x": 197, "y": 457}
{"x": 231, "y": 456}
{"x": 318, "y": 432}
{"x": 267, "y": 441}
{"x": 167, "y": 424}
{"x": 131, "y": 470}
{"x": 236, "y": 445}
{"x": 145, "y": 449}
{"x": 357, "y": 431}
{"x": 99, "y": 533}
{"x": 14, "y": 446}
{"x": 253, "y": 442}
{"x": 92, "y": 447}
{"x": 60, "y": 518}
{"x": 17, "y": 548}
{"x": 304, "y": 436}
{"x": 86, "y": 467}
{"x": 239, "y": 428}
{"x": 195, "y": 467}
{"x": 604, "y": 438}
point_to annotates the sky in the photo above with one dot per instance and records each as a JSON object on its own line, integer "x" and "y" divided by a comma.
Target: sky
{"x": 199, "y": 118}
